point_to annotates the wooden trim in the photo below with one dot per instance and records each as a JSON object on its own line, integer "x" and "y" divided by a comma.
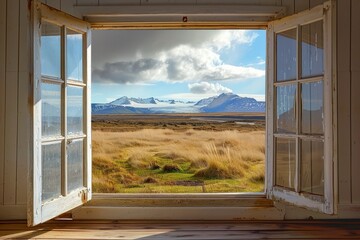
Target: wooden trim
{"x": 34, "y": 183}
{"x": 295, "y": 81}
{"x": 171, "y": 17}
{"x": 60, "y": 18}
{"x": 62, "y": 204}
{"x": 304, "y": 17}
{"x": 243, "y": 24}
{"x": 181, "y": 10}
{"x": 270, "y": 95}
{"x": 87, "y": 116}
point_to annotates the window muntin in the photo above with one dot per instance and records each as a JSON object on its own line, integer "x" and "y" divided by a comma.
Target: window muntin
{"x": 63, "y": 127}
{"x": 300, "y": 131}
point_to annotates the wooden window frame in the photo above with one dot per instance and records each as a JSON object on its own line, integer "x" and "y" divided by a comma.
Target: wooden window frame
{"x": 326, "y": 203}
{"x": 39, "y": 211}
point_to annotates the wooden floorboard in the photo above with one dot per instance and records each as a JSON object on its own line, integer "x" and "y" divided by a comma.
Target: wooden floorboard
{"x": 68, "y": 229}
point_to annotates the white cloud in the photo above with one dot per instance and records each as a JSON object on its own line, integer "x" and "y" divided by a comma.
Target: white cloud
{"x": 180, "y": 64}
{"x": 208, "y": 88}
{"x": 226, "y": 38}
{"x": 163, "y": 55}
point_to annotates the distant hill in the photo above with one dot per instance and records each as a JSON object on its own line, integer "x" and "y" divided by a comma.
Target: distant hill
{"x": 226, "y": 102}
{"x": 229, "y": 102}
{"x": 99, "y": 108}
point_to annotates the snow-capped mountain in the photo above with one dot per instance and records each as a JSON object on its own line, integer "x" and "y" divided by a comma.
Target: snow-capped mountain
{"x": 130, "y": 101}
{"x": 226, "y": 102}
{"x": 205, "y": 101}
{"x": 229, "y": 102}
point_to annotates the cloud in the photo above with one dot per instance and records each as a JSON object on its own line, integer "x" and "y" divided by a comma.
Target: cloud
{"x": 207, "y": 88}
{"x": 129, "y": 72}
{"x": 130, "y": 45}
{"x": 180, "y": 64}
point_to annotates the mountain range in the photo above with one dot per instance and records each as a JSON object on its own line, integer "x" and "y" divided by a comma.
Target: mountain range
{"x": 225, "y": 102}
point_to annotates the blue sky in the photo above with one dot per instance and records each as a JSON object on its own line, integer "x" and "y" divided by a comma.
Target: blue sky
{"x": 177, "y": 64}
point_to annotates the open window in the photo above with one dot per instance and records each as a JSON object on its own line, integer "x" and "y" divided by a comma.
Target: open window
{"x": 61, "y": 168}
{"x": 300, "y": 130}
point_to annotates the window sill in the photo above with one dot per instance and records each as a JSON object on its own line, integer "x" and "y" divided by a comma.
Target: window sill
{"x": 181, "y": 200}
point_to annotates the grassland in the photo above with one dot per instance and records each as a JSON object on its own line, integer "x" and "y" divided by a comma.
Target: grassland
{"x": 178, "y": 153}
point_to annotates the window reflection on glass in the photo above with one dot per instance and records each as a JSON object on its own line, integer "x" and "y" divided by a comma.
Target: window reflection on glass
{"x": 312, "y": 111}
{"x": 51, "y": 171}
{"x": 286, "y": 109}
{"x": 50, "y": 50}
{"x": 312, "y": 167}
{"x": 286, "y": 55}
{"x": 74, "y": 110}
{"x": 312, "y": 46}
{"x": 75, "y": 165}
{"x": 74, "y": 54}
{"x": 51, "y": 109}
{"x": 285, "y": 162}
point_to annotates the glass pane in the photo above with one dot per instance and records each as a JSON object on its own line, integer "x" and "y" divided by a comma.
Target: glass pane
{"x": 74, "y": 53}
{"x": 51, "y": 109}
{"x": 75, "y": 165}
{"x": 312, "y": 108}
{"x": 75, "y": 110}
{"x": 312, "y": 45}
{"x": 286, "y": 109}
{"x": 51, "y": 171}
{"x": 286, "y": 55}
{"x": 285, "y": 162}
{"x": 312, "y": 167}
{"x": 50, "y": 50}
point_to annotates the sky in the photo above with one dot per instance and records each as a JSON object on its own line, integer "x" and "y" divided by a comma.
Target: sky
{"x": 186, "y": 65}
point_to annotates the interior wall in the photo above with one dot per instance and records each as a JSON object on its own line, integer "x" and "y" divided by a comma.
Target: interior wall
{"x": 348, "y": 69}
{"x": 14, "y": 106}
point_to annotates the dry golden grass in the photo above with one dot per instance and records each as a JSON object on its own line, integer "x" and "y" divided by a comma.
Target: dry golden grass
{"x": 121, "y": 159}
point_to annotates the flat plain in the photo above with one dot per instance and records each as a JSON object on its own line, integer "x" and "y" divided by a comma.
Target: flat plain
{"x": 178, "y": 153}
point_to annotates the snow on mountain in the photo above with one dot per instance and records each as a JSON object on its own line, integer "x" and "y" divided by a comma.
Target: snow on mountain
{"x": 226, "y": 102}
{"x": 205, "y": 101}
{"x": 121, "y": 101}
{"x": 229, "y": 102}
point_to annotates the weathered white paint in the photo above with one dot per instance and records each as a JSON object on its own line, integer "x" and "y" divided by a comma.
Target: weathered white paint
{"x": 38, "y": 211}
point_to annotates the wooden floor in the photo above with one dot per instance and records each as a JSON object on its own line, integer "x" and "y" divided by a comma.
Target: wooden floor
{"x": 68, "y": 229}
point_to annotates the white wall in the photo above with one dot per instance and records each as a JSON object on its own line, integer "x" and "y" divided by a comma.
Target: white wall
{"x": 14, "y": 105}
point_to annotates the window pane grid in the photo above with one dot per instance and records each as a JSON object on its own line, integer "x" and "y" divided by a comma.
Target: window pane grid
{"x": 56, "y": 77}
{"x": 307, "y": 104}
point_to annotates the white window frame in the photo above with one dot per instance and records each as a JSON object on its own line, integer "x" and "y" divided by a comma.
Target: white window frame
{"x": 327, "y": 203}
{"x": 38, "y": 211}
